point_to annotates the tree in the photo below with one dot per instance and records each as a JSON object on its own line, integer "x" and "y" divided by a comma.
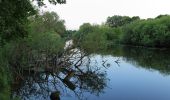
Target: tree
{"x": 41, "y": 2}
{"x": 44, "y": 33}
{"x": 49, "y": 21}
{"x": 159, "y": 16}
{"x": 116, "y": 20}
{"x": 14, "y": 17}
{"x": 151, "y": 32}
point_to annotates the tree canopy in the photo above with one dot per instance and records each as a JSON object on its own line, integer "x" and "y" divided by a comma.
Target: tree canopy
{"x": 41, "y": 2}
{"x": 117, "y": 20}
{"x": 14, "y": 17}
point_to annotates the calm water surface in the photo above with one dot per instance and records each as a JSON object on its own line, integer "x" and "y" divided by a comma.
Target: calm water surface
{"x": 123, "y": 73}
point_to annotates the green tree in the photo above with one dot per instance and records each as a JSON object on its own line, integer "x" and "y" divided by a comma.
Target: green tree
{"x": 41, "y": 2}
{"x": 14, "y": 45}
{"x": 13, "y": 17}
{"x": 150, "y": 32}
{"x": 116, "y": 20}
{"x": 49, "y": 21}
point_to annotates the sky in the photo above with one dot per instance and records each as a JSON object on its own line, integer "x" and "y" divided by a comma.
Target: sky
{"x": 77, "y": 12}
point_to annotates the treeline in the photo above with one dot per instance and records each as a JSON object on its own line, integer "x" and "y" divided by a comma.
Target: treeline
{"x": 150, "y": 32}
{"x": 127, "y": 31}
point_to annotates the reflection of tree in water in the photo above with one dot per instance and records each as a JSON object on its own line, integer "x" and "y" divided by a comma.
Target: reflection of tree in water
{"x": 149, "y": 59}
{"x": 93, "y": 82}
{"x": 33, "y": 87}
{"x": 152, "y": 59}
{"x": 72, "y": 80}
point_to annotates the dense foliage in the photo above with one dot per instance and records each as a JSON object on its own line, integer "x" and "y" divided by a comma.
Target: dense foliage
{"x": 116, "y": 21}
{"x": 95, "y": 38}
{"x": 4, "y": 76}
{"x": 128, "y": 31}
{"x": 13, "y": 19}
{"x": 41, "y": 2}
{"x": 25, "y": 36}
{"x": 21, "y": 53}
{"x": 151, "y": 32}
{"x": 44, "y": 30}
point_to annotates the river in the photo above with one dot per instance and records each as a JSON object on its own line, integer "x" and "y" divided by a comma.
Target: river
{"x": 121, "y": 73}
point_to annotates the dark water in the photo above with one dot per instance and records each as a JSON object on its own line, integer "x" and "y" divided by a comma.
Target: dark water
{"x": 122, "y": 73}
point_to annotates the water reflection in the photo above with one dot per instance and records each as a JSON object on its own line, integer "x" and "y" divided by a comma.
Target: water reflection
{"x": 157, "y": 59}
{"x": 90, "y": 74}
{"x": 67, "y": 81}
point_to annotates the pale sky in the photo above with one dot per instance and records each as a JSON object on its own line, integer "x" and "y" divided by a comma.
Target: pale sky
{"x": 77, "y": 12}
